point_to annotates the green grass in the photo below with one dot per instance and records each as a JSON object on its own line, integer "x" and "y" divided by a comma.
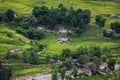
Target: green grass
{"x": 18, "y": 68}
{"x": 7, "y": 43}
{"x": 26, "y": 6}
{"x": 91, "y": 37}
{"x": 22, "y": 69}
{"x": 96, "y": 7}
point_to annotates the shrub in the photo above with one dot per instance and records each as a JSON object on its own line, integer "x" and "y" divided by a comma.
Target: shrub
{"x": 83, "y": 59}
{"x": 100, "y": 20}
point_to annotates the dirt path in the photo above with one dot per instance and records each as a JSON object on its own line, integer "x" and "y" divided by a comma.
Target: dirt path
{"x": 35, "y": 77}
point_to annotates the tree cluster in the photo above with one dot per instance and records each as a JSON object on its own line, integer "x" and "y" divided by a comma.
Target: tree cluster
{"x": 9, "y": 16}
{"x": 33, "y": 57}
{"x": 31, "y": 33}
{"x": 63, "y": 16}
{"x": 91, "y": 58}
{"x": 83, "y": 56}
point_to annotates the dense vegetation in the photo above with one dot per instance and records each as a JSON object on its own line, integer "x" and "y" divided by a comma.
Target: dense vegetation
{"x": 31, "y": 33}
{"x": 41, "y": 53}
{"x": 61, "y": 15}
{"x": 91, "y": 57}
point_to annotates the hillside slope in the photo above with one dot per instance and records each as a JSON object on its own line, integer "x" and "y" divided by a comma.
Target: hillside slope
{"x": 9, "y": 39}
{"x": 26, "y": 6}
{"x": 97, "y": 7}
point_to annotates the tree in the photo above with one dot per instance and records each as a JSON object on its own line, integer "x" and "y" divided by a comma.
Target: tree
{"x": 100, "y": 20}
{"x": 33, "y": 57}
{"x": 5, "y": 74}
{"x": 54, "y": 75}
{"x": 8, "y": 55}
{"x": 25, "y": 57}
{"x": 62, "y": 72}
{"x": 80, "y": 51}
{"x": 67, "y": 63}
{"x": 52, "y": 21}
{"x": 0, "y": 63}
{"x": 111, "y": 64}
{"x": 97, "y": 62}
{"x": 92, "y": 67}
{"x": 66, "y": 53}
{"x": 41, "y": 47}
{"x": 83, "y": 59}
{"x": 36, "y": 12}
{"x": 61, "y": 14}
{"x": 104, "y": 58}
{"x": 10, "y": 15}
{"x": 42, "y": 14}
{"x": 116, "y": 26}
{"x": 75, "y": 71}
{"x": 96, "y": 51}
{"x": 9, "y": 34}
{"x": 48, "y": 58}
{"x": 0, "y": 17}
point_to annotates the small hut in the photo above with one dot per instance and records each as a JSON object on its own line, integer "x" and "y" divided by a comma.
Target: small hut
{"x": 86, "y": 71}
{"x": 16, "y": 50}
{"x": 103, "y": 66}
{"x": 117, "y": 34}
{"x": 117, "y": 66}
{"x": 63, "y": 40}
{"x": 41, "y": 28}
{"x": 63, "y": 31}
{"x": 113, "y": 15}
{"x": 108, "y": 33}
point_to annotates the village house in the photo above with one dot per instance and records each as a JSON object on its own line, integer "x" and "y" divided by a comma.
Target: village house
{"x": 113, "y": 15}
{"x": 40, "y": 28}
{"x": 86, "y": 71}
{"x": 74, "y": 61}
{"x": 80, "y": 71}
{"x": 117, "y": 34}
{"x": 83, "y": 68}
{"x": 16, "y": 50}
{"x": 108, "y": 33}
{"x": 103, "y": 66}
{"x": 49, "y": 31}
{"x": 70, "y": 31}
{"x": 63, "y": 40}
{"x": 68, "y": 73}
{"x": 117, "y": 66}
{"x": 44, "y": 29}
{"x": 63, "y": 31}
{"x": 80, "y": 65}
